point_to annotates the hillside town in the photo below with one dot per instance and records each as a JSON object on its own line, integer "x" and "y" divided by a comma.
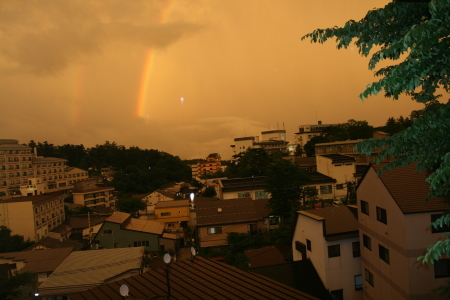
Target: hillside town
{"x": 351, "y": 232}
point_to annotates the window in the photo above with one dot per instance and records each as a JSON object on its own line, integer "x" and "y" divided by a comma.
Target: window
{"x": 166, "y": 214}
{"x": 274, "y": 220}
{"x": 339, "y": 186}
{"x": 442, "y": 268}
{"x": 367, "y": 242}
{"x": 334, "y": 251}
{"x": 107, "y": 231}
{"x": 308, "y": 245}
{"x": 369, "y": 277}
{"x": 358, "y": 282}
{"x": 326, "y": 189}
{"x": 364, "y": 207}
{"x": 356, "y": 249}
{"x": 214, "y": 230}
{"x": 243, "y": 195}
{"x": 381, "y": 215}
{"x": 383, "y": 253}
{"x": 444, "y": 228}
{"x": 261, "y": 195}
{"x": 337, "y": 295}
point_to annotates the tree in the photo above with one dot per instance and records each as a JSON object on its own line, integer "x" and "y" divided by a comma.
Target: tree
{"x": 9, "y": 287}
{"x": 284, "y": 182}
{"x": 417, "y": 36}
{"x": 129, "y": 204}
{"x": 209, "y": 192}
{"x": 311, "y": 144}
{"x": 298, "y": 151}
{"x": 252, "y": 162}
{"x": 12, "y": 243}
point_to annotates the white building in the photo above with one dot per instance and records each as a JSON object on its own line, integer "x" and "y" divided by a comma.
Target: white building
{"x": 307, "y": 132}
{"x": 329, "y": 238}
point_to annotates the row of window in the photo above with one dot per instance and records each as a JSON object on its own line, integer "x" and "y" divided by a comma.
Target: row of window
{"x": 54, "y": 164}
{"x": 258, "y": 195}
{"x": 12, "y": 167}
{"x": 10, "y": 159}
{"x": 15, "y": 151}
{"x": 381, "y": 212}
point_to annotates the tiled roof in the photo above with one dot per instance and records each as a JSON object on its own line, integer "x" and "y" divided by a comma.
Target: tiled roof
{"x": 39, "y": 261}
{"x": 148, "y": 226}
{"x": 166, "y": 193}
{"x": 339, "y": 220}
{"x": 316, "y": 177}
{"x": 62, "y": 229}
{"x": 54, "y": 244}
{"x": 34, "y": 199}
{"x": 243, "y": 183}
{"x": 266, "y": 256}
{"x": 231, "y": 211}
{"x": 81, "y": 221}
{"x": 118, "y": 217}
{"x": 86, "y": 269}
{"x": 339, "y": 158}
{"x": 409, "y": 189}
{"x": 174, "y": 203}
{"x": 198, "y": 279}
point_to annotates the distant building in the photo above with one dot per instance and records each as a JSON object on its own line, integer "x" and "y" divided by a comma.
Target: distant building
{"x": 23, "y": 173}
{"x": 91, "y": 194}
{"x": 272, "y": 140}
{"x": 33, "y": 216}
{"x": 307, "y": 132}
{"x": 211, "y": 165}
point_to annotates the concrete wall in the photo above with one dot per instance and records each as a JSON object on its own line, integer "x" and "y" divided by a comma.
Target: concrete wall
{"x": 342, "y": 172}
{"x": 405, "y": 236}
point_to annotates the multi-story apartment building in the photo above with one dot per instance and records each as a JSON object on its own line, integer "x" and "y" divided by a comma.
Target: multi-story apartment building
{"x": 307, "y": 132}
{"x": 16, "y": 167}
{"x": 394, "y": 224}
{"x": 91, "y": 194}
{"x": 211, "y": 165}
{"x": 32, "y": 216}
{"x": 272, "y": 140}
{"x": 23, "y": 173}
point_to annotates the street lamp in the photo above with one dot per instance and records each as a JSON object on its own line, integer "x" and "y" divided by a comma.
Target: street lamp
{"x": 167, "y": 258}
{"x": 192, "y": 195}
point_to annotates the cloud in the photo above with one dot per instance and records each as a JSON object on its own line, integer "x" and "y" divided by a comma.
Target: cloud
{"x": 44, "y": 37}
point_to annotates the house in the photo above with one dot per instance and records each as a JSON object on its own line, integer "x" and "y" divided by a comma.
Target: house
{"x": 42, "y": 263}
{"x": 82, "y": 270}
{"x": 216, "y": 218}
{"x": 172, "y": 213}
{"x": 394, "y": 222}
{"x": 91, "y": 194}
{"x": 33, "y": 216}
{"x": 121, "y": 231}
{"x": 84, "y": 225}
{"x": 340, "y": 167}
{"x": 199, "y": 278}
{"x": 253, "y": 187}
{"x": 329, "y": 238}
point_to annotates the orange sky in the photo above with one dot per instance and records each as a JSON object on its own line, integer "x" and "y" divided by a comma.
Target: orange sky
{"x": 185, "y": 77}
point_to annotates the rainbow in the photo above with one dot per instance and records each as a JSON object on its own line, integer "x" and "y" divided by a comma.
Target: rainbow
{"x": 144, "y": 85}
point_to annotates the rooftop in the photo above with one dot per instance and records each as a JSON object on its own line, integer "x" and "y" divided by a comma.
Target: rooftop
{"x": 266, "y": 256}
{"x": 339, "y": 143}
{"x": 55, "y": 243}
{"x": 39, "y": 261}
{"x": 148, "y": 226}
{"x": 339, "y": 158}
{"x": 118, "y": 217}
{"x": 316, "y": 177}
{"x": 243, "y": 183}
{"x": 231, "y": 211}
{"x": 198, "y": 279}
{"x": 340, "y": 221}
{"x": 86, "y": 269}
{"x": 174, "y": 203}
{"x": 33, "y": 199}
{"x": 409, "y": 189}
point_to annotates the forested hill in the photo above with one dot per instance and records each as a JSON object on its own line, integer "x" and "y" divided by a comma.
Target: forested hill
{"x": 138, "y": 170}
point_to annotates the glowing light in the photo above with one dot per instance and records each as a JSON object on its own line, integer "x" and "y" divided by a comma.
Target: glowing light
{"x": 182, "y": 100}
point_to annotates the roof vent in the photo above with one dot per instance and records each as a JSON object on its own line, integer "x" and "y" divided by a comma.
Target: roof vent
{"x": 219, "y": 210}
